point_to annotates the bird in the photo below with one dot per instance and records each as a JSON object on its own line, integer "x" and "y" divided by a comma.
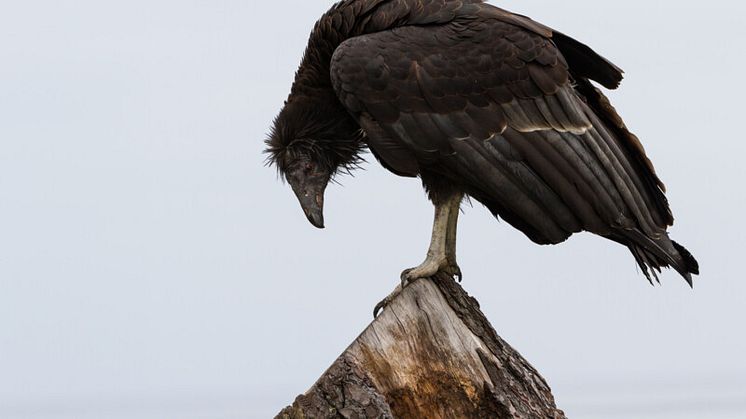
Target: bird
{"x": 479, "y": 103}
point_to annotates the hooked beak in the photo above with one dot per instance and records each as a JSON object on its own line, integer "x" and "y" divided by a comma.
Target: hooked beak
{"x": 310, "y": 193}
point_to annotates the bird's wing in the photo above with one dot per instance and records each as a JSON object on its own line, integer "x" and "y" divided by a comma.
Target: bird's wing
{"x": 492, "y": 105}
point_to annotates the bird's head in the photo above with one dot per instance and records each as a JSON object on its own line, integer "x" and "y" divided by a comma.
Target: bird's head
{"x": 310, "y": 143}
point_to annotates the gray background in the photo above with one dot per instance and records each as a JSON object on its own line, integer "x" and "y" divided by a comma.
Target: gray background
{"x": 151, "y": 267}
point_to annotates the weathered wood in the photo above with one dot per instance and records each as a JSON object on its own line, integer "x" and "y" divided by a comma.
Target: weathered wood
{"x": 430, "y": 354}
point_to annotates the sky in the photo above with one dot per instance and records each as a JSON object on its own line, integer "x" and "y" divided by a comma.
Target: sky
{"x": 151, "y": 266}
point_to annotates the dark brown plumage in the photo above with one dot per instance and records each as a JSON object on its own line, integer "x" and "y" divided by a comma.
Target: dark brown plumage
{"x": 477, "y": 100}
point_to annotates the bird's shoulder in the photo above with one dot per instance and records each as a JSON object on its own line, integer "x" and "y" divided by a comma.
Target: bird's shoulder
{"x": 485, "y": 62}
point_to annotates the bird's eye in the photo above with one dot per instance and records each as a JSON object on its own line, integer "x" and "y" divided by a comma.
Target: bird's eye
{"x": 308, "y": 167}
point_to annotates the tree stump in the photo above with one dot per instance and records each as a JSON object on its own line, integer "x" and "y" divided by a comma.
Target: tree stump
{"x": 430, "y": 354}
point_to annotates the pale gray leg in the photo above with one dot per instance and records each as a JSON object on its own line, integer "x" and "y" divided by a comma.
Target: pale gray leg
{"x": 436, "y": 253}
{"x": 453, "y": 267}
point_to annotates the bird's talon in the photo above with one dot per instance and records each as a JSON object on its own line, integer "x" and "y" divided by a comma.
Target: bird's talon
{"x": 457, "y": 274}
{"x": 380, "y": 306}
{"x": 405, "y": 277}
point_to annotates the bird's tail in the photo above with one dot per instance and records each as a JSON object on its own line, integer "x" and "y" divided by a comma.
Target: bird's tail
{"x": 654, "y": 254}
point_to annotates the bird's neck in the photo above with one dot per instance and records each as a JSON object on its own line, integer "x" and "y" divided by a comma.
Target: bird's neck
{"x": 314, "y": 104}
{"x": 313, "y": 91}
{"x": 330, "y": 31}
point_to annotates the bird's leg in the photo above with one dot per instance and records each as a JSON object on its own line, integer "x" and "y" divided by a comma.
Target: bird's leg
{"x": 455, "y": 203}
{"x": 441, "y": 256}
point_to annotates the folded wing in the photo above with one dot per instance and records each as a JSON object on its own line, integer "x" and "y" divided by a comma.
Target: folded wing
{"x": 494, "y": 105}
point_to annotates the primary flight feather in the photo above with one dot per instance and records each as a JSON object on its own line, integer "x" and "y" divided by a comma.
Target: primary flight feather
{"x": 476, "y": 101}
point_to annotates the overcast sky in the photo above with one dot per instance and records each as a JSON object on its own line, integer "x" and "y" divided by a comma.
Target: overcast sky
{"x": 152, "y": 267}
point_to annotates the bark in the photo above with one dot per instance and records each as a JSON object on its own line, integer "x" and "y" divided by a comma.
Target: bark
{"x": 430, "y": 354}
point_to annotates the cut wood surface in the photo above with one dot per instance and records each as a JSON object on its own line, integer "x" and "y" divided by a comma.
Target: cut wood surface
{"x": 430, "y": 354}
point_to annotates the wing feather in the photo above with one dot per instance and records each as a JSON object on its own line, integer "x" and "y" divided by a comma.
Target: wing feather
{"x": 492, "y": 179}
{"x": 491, "y": 104}
{"x": 613, "y": 165}
{"x": 609, "y": 202}
{"x": 554, "y": 171}
{"x": 503, "y": 155}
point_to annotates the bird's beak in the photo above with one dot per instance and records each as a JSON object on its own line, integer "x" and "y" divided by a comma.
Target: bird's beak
{"x": 310, "y": 193}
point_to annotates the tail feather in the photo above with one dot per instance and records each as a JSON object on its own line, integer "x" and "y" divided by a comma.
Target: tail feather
{"x": 691, "y": 263}
{"x": 654, "y": 254}
{"x": 646, "y": 266}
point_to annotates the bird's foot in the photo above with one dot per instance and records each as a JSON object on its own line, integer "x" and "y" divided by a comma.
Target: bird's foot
{"x": 427, "y": 269}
